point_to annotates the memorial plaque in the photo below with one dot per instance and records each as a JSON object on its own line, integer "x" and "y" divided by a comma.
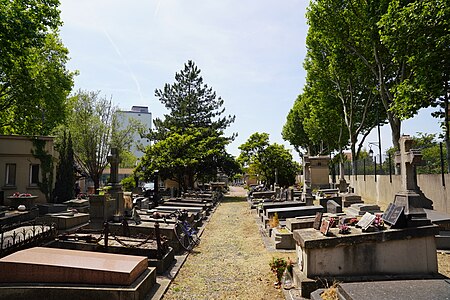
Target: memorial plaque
{"x": 317, "y": 221}
{"x": 366, "y": 221}
{"x": 325, "y": 227}
{"x": 392, "y": 214}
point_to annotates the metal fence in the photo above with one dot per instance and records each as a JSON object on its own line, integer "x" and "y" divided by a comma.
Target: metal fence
{"x": 433, "y": 163}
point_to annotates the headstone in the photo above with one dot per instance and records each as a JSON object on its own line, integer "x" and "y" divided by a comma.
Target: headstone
{"x": 366, "y": 221}
{"x": 411, "y": 198}
{"x": 325, "y": 227}
{"x": 333, "y": 207}
{"x": 115, "y": 189}
{"x": 394, "y": 215}
{"x": 318, "y": 221}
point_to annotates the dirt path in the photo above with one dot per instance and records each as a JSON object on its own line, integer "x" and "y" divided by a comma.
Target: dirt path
{"x": 231, "y": 261}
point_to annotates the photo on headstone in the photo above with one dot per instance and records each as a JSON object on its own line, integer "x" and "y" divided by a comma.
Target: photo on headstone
{"x": 325, "y": 227}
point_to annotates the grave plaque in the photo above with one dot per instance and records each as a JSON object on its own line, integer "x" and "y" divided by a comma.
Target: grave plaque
{"x": 392, "y": 214}
{"x": 325, "y": 227}
{"x": 317, "y": 221}
{"x": 366, "y": 221}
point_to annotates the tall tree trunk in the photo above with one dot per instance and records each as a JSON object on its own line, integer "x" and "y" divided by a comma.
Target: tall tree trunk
{"x": 447, "y": 125}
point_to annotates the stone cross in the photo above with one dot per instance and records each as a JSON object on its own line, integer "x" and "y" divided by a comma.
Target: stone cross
{"x": 114, "y": 161}
{"x": 408, "y": 158}
{"x": 306, "y": 172}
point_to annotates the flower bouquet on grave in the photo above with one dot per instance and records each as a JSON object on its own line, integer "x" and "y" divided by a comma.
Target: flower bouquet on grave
{"x": 378, "y": 223}
{"x": 278, "y": 266}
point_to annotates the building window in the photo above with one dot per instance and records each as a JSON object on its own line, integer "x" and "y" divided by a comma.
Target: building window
{"x": 10, "y": 178}
{"x": 34, "y": 175}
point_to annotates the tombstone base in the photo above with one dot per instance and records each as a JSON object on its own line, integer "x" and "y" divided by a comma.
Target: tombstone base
{"x": 414, "y": 204}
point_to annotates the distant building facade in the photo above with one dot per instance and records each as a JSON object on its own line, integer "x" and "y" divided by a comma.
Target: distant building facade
{"x": 141, "y": 114}
{"x": 20, "y": 171}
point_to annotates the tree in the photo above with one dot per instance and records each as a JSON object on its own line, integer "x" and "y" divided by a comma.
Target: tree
{"x": 191, "y": 104}
{"x": 264, "y": 160}
{"x": 354, "y": 26}
{"x": 340, "y": 88}
{"x": 34, "y": 82}
{"x": 65, "y": 172}
{"x": 189, "y": 141}
{"x": 95, "y": 129}
{"x": 418, "y": 33}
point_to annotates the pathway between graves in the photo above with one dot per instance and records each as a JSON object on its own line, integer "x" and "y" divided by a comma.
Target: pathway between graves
{"x": 231, "y": 261}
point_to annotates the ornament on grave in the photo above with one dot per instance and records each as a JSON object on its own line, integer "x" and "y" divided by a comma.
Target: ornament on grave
{"x": 366, "y": 220}
{"x": 411, "y": 197}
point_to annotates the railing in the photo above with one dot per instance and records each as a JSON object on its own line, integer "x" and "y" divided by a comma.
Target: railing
{"x": 24, "y": 235}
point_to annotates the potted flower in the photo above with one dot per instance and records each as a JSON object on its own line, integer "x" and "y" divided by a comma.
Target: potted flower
{"x": 277, "y": 266}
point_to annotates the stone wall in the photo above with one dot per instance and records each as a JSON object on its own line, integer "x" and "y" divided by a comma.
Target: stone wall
{"x": 382, "y": 191}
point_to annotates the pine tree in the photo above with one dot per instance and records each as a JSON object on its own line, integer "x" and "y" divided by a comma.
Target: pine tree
{"x": 65, "y": 173}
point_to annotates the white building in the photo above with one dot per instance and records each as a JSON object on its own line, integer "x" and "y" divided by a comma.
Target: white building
{"x": 141, "y": 114}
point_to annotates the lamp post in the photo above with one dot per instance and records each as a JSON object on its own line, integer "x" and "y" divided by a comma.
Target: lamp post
{"x": 371, "y": 154}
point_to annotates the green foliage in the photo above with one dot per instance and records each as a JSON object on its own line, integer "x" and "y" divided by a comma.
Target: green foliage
{"x": 190, "y": 144}
{"x": 127, "y": 159}
{"x": 46, "y": 167}
{"x": 264, "y": 159}
{"x": 34, "y": 82}
{"x": 65, "y": 172}
{"x": 128, "y": 183}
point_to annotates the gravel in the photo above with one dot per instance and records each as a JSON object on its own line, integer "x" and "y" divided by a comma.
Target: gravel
{"x": 231, "y": 261}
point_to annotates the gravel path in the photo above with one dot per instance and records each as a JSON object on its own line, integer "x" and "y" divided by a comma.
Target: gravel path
{"x": 231, "y": 261}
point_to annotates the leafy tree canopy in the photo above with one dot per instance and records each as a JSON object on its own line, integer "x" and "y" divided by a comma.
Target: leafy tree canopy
{"x": 190, "y": 142}
{"x": 34, "y": 82}
{"x": 264, "y": 159}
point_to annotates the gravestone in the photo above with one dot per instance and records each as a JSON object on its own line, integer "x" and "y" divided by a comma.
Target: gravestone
{"x": 317, "y": 221}
{"x": 411, "y": 197}
{"x": 115, "y": 189}
{"x": 306, "y": 193}
{"x": 333, "y": 207}
{"x": 394, "y": 216}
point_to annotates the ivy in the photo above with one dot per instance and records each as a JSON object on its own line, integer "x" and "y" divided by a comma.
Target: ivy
{"x": 46, "y": 159}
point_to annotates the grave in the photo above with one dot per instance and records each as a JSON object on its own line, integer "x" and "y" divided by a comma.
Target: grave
{"x": 350, "y": 198}
{"x": 324, "y": 201}
{"x": 158, "y": 257}
{"x": 49, "y": 208}
{"x": 333, "y": 207}
{"x": 411, "y": 197}
{"x": 42, "y": 273}
{"x": 360, "y": 209}
{"x": 66, "y": 220}
{"x": 390, "y": 290}
{"x": 27, "y": 201}
{"x": 115, "y": 188}
{"x": 80, "y": 205}
{"x": 101, "y": 208}
{"x": 372, "y": 255}
{"x": 292, "y": 212}
{"x": 262, "y": 207}
{"x": 16, "y": 216}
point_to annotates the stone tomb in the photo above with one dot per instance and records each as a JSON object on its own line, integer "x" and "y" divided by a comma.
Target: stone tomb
{"x": 359, "y": 209}
{"x": 350, "y": 198}
{"x": 292, "y": 212}
{"x": 46, "y": 273}
{"x": 262, "y": 207}
{"x": 359, "y": 255}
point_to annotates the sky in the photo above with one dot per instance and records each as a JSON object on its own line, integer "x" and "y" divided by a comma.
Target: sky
{"x": 250, "y": 52}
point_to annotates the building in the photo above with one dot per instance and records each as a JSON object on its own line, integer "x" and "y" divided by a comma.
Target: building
{"x": 20, "y": 171}
{"x": 141, "y": 114}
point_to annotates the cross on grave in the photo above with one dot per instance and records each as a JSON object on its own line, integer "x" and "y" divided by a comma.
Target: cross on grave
{"x": 408, "y": 159}
{"x": 114, "y": 161}
{"x": 411, "y": 197}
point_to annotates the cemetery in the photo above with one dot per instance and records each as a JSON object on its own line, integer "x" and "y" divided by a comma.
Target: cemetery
{"x": 300, "y": 183}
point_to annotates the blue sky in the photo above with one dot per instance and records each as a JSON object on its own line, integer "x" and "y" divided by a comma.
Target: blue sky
{"x": 250, "y": 52}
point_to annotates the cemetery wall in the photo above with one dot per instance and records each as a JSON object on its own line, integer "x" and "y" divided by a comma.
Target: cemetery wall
{"x": 382, "y": 191}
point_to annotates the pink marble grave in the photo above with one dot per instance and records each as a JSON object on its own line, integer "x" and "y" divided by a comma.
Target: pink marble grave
{"x": 49, "y": 265}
